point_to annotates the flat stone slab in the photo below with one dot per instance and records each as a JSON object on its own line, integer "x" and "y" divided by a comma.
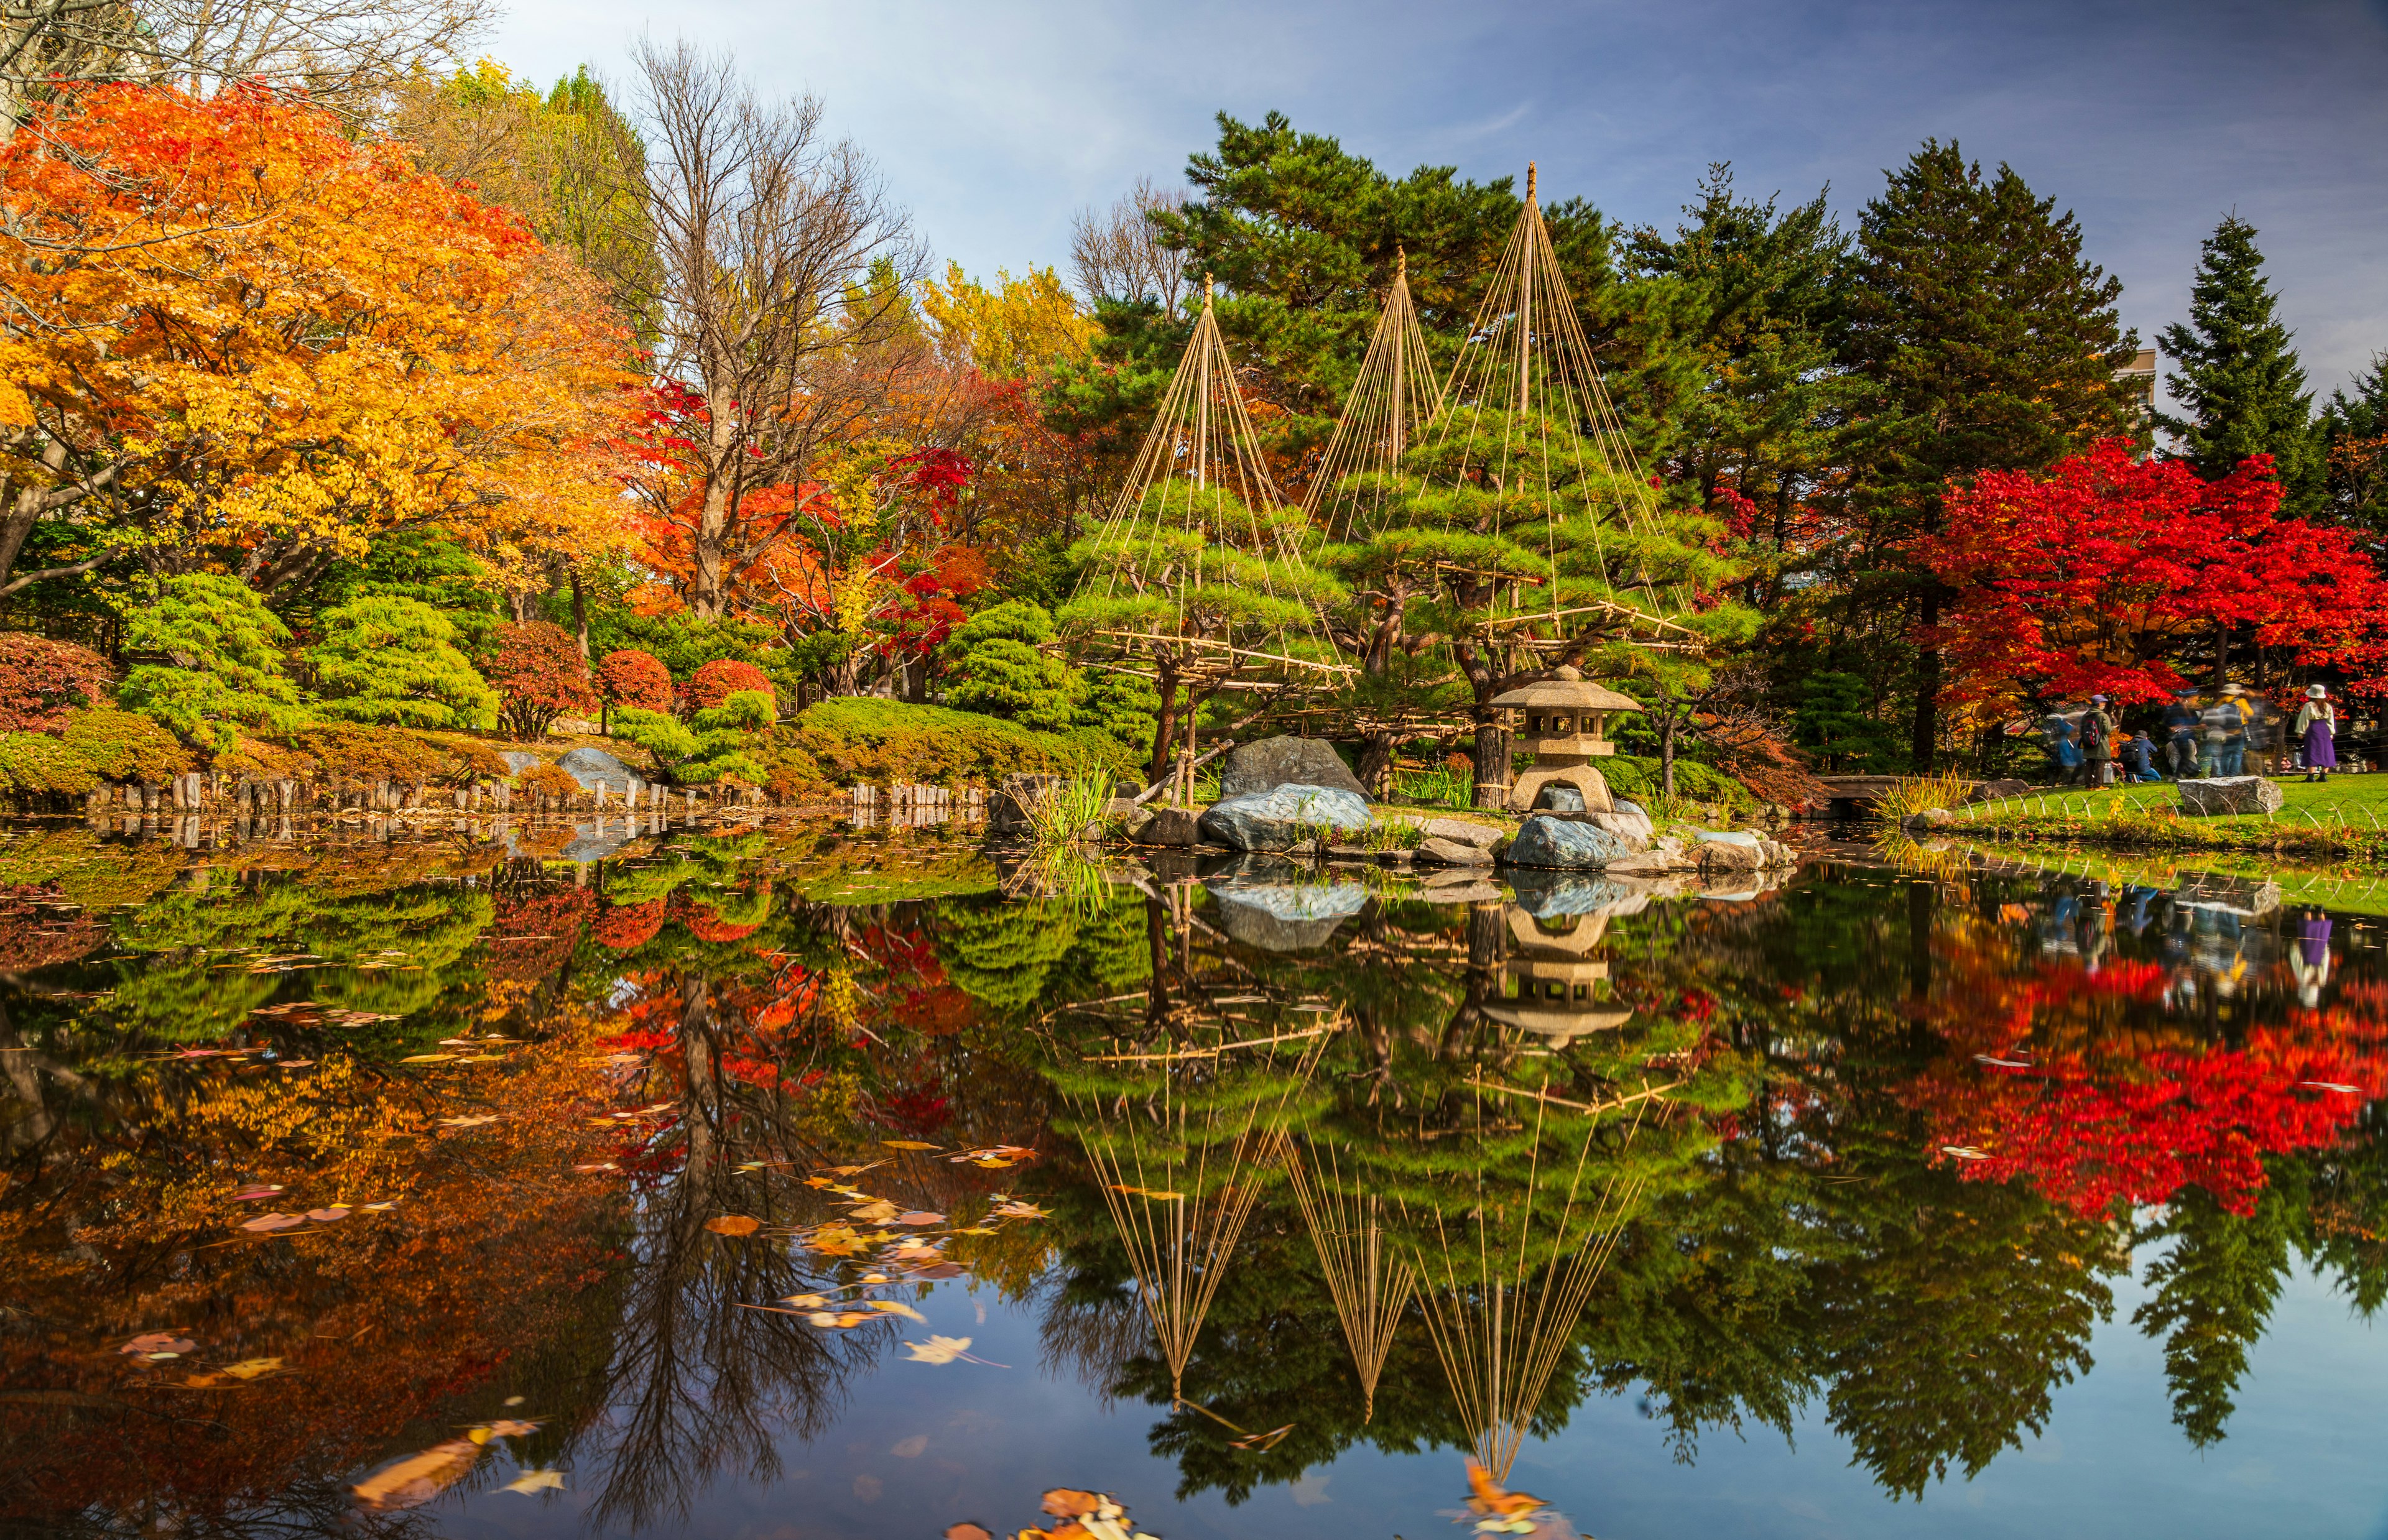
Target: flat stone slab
{"x": 1460, "y": 831}
{"x": 595, "y": 767}
{"x": 1275, "y": 762}
{"x": 1274, "y": 820}
{"x": 1451, "y": 853}
{"x": 2228, "y": 795}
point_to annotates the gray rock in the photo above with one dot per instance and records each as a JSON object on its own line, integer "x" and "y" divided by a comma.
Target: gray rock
{"x": 1566, "y": 845}
{"x": 1169, "y": 826}
{"x": 595, "y": 767}
{"x": 1633, "y": 826}
{"x": 517, "y": 762}
{"x": 1731, "y": 855}
{"x": 1285, "y": 916}
{"x": 1559, "y": 797}
{"x": 1998, "y": 791}
{"x": 2229, "y": 794}
{"x": 1451, "y": 853}
{"x": 1931, "y": 817}
{"x": 1132, "y": 822}
{"x": 1626, "y": 804}
{"x": 1275, "y": 762}
{"x": 1460, "y": 831}
{"x": 1552, "y": 896}
{"x": 1271, "y": 820}
{"x": 1663, "y": 856}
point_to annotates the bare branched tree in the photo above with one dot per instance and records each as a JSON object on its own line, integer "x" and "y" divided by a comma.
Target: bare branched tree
{"x": 782, "y": 271}
{"x": 1117, "y": 253}
{"x": 345, "y": 54}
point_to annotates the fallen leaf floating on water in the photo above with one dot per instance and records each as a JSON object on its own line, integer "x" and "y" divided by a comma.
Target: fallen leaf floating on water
{"x": 877, "y": 1211}
{"x": 733, "y": 1224}
{"x": 1963, "y": 1152}
{"x": 805, "y": 1302}
{"x": 472, "y": 1122}
{"x": 158, "y": 1345}
{"x": 253, "y": 1369}
{"x": 919, "y": 1216}
{"x": 504, "y": 1427}
{"x": 536, "y": 1481}
{"x": 1012, "y": 1210}
{"x": 250, "y": 1194}
{"x": 325, "y": 1216}
{"x": 1066, "y": 1503}
{"x": 2001, "y": 1064}
{"x": 2332, "y": 1085}
{"x": 601, "y": 1165}
{"x": 968, "y": 1531}
{"x": 839, "y": 1320}
{"x": 907, "y": 1144}
{"x": 995, "y": 1155}
{"x": 897, "y": 1307}
{"x": 1148, "y": 1193}
{"x": 426, "y": 1058}
{"x": 265, "y": 1222}
{"x": 418, "y": 1478}
{"x": 938, "y": 1350}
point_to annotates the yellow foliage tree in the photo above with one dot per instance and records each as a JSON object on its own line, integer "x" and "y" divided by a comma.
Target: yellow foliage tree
{"x": 1016, "y": 329}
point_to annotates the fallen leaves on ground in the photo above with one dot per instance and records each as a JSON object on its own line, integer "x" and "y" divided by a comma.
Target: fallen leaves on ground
{"x": 733, "y": 1224}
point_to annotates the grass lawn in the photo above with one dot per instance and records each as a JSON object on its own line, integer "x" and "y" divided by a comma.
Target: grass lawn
{"x": 2344, "y": 818}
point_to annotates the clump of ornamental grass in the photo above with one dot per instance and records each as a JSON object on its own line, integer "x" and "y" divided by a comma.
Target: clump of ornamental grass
{"x": 1910, "y": 795}
{"x": 1068, "y": 810}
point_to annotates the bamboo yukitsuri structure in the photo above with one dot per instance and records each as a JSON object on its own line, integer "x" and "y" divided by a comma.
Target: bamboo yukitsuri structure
{"x": 1196, "y": 577}
{"x": 1519, "y": 531}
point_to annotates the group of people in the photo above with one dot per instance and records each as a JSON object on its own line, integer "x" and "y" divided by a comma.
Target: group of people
{"x": 2229, "y": 734}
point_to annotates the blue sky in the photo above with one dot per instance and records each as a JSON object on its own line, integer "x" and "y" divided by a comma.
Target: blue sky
{"x": 993, "y": 122}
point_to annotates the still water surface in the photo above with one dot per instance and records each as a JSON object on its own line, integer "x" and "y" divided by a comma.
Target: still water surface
{"x": 575, "y": 1185}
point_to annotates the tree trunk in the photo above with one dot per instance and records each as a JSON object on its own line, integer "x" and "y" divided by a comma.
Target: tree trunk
{"x": 1925, "y": 748}
{"x": 1164, "y": 726}
{"x": 1667, "y": 721}
{"x": 580, "y": 616}
{"x": 1491, "y": 759}
{"x": 1377, "y": 764}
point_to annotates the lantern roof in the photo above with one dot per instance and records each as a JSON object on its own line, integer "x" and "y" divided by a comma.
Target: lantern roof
{"x": 1566, "y": 689}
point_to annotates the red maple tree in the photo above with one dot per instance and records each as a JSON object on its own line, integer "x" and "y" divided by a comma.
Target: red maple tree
{"x": 2096, "y": 576}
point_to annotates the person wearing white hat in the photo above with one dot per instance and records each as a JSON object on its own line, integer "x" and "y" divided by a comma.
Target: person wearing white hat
{"x": 2317, "y": 724}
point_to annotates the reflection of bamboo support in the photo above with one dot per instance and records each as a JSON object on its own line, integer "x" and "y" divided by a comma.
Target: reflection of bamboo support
{"x": 1371, "y": 1288}
{"x": 1500, "y": 1338}
{"x": 1179, "y": 1217}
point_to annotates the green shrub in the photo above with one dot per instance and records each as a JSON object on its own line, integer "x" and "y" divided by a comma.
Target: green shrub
{"x": 91, "y": 747}
{"x": 999, "y": 669}
{"x": 1637, "y": 777}
{"x": 391, "y": 660}
{"x": 714, "y": 745}
{"x": 882, "y": 742}
{"x": 228, "y": 669}
{"x": 1124, "y": 707}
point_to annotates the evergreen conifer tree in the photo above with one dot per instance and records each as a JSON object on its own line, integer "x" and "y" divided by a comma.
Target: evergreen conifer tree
{"x": 2239, "y": 383}
{"x": 2355, "y": 451}
{"x": 1980, "y": 339}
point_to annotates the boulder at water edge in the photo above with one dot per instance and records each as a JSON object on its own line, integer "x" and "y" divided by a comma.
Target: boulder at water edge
{"x": 1007, "y": 810}
{"x": 2229, "y": 794}
{"x": 1275, "y": 762}
{"x": 1565, "y": 845}
{"x": 1271, "y": 820}
{"x": 595, "y": 767}
{"x": 1283, "y": 916}
{"x": 1168, "y": 826}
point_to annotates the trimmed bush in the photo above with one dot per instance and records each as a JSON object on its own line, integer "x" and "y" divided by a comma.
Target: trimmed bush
{"x": 90, "y": 748}
{"x": 715, "y": 745}
{"x": 997, "y": 669}
{"x": 865, "y": 739}
{"x": 547, "y": 780}
{"x": 228, "y": 669}
{"x": 395, "y": 661}
{"x": 353, "y": 754}
{"x": 637, "y": 679}
{"x": 41, "y": 680}
{"x": 715, "y": 682}
{"x": 538, "y": 676}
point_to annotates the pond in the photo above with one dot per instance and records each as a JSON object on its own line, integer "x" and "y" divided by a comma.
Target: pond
{"x": 821, "y": 1180}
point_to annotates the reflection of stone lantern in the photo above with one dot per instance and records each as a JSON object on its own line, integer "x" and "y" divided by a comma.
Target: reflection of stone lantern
{"x": 1563, "y": 718}
{"x": 1551, "y": 983}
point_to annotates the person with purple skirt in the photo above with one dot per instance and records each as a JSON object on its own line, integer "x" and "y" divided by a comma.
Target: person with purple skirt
{"x": 2318, "y": 727}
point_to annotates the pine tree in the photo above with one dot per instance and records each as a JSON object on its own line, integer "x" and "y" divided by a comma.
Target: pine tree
{"x": 2355, "y": 451}
{"x": 2239, "y": 382}
{"x": 1980, "y": 339}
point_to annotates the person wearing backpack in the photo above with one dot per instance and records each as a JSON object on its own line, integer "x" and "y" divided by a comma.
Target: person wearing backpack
{"x": 2098, "y": 741}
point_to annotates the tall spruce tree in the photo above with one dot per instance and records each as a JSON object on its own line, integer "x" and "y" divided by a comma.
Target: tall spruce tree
{"x": 2355, "y": 451}
{"x": 1979, "y": 339}
{"x": 2240, "y": 386}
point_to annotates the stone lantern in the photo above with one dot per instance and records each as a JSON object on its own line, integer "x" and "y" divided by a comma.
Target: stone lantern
{"x": 1563, "y": 718}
